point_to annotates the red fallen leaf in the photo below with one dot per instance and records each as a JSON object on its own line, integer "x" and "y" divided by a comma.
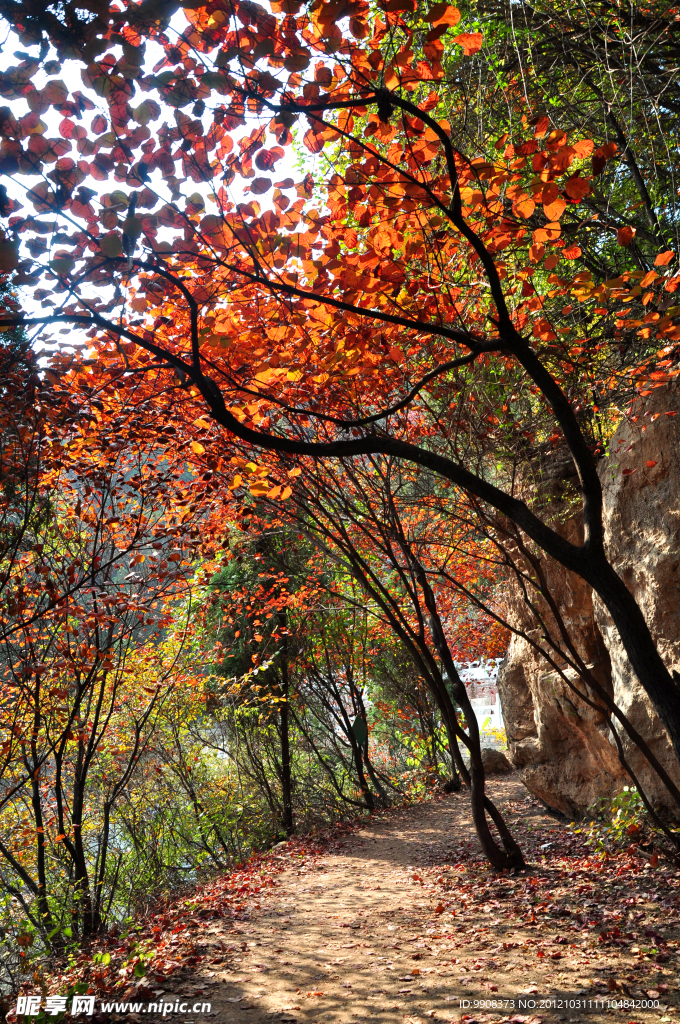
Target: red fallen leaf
{"x": 627, "y": 472}
{"x": 439, "y": 909}
{"x": 650, "y": 463}
{"x": 654, "y": 860}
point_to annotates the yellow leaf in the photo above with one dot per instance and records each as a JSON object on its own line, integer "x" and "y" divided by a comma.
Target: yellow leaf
{"x": 203, "y": 424}
{"x": 197, "y": 448}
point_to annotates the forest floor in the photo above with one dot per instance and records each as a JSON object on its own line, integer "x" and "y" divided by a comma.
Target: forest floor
{"x": 402, "y": 921}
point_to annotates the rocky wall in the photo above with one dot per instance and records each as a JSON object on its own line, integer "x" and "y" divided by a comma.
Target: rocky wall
{"x": 562, "y": 750}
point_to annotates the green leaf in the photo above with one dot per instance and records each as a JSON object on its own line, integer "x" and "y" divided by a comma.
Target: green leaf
{"x": 111, "y": 245}
{"x": 62, "y": 264}
{"x": 9, "y": 256}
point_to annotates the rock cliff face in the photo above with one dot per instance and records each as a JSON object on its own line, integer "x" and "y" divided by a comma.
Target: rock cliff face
{"x": 561, "y": 748}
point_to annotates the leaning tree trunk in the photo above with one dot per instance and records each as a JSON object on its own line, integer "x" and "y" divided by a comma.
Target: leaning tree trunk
{"x": 510, "y": 856}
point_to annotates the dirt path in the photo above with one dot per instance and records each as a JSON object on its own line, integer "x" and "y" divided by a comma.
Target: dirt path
{"x": 401, "y": 921}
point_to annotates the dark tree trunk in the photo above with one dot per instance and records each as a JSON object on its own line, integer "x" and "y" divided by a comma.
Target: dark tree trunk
{"x": 655, "y": 679}
{"x": 287, "y": 821}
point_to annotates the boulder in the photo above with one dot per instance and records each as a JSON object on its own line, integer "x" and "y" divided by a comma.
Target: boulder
{"x": 495, "y": 762}
{"x": 560, "y": 746}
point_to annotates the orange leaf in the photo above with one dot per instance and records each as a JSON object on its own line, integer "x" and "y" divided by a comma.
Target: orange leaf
{"x": 583, "y": 148}
{"x": 542, "y": 126}
{"x": 654, "y": 860}
{"x": 554, "y": 210}
{"x": 197, "y": 447}
{"x": 536, "y": 252}
{"x": 524, "y": 207}
{"x": 624, "y": 236}
{"x": 664, "y": 258}
{"x": 650, "y": 463}
{"x": 443, "y": 14}
{"x": 470, "y": 41}
{"x": 572, "y": 252}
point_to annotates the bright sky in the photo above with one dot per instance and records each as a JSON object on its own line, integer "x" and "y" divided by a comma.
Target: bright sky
{"x": 12, "y": 53}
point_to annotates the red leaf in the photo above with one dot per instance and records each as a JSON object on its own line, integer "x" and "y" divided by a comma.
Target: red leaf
{"x": 624, "y": 236}
{"x": 576, "y": 188}
{"x": 313, "y": 142}
{"x": 267, "y": 158}
{"x": 470, "y": 41}
{"x": 260, "y": 185}
{"x": 443, "y": 14}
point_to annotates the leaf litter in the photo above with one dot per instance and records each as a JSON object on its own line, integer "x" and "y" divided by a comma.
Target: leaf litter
{"x": 268, "y": 942}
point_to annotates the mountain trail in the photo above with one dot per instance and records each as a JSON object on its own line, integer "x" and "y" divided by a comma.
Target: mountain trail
{"x": 403, "y": 921}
